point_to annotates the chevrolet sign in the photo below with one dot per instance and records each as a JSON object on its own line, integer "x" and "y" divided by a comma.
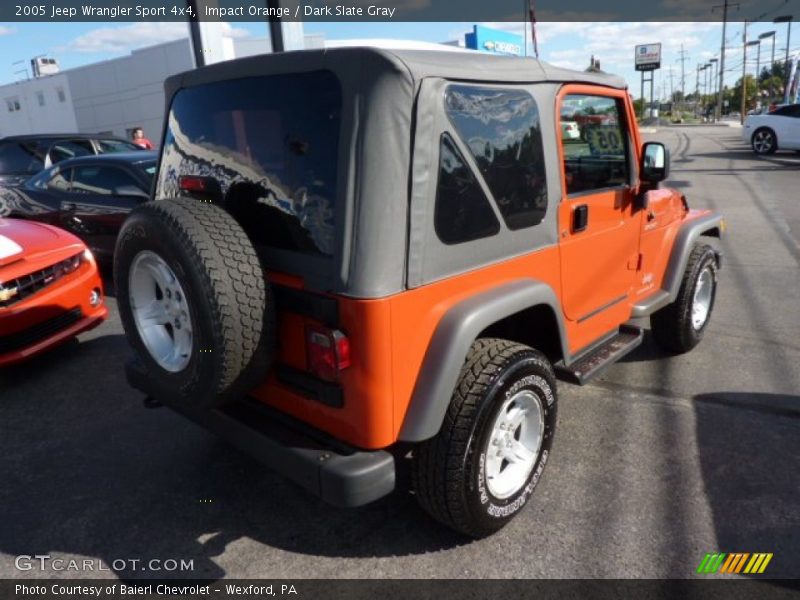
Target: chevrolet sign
{"x": 503, "y": 47}
{"x": 648, "y": 57}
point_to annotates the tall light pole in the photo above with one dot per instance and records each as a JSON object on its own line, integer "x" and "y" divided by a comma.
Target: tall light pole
{"x": 724, "y": 8}
{"x": 758, "y": 63}
{"x": 765, "y": 35}
{"x": 706, "y": 67}
{"x": 714, "y": 62}
{"x": 744, "y": 69}
{"x": 788, "y": 20}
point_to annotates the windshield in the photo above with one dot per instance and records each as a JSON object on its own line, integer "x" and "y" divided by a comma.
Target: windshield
{"x": 21, "y": 157}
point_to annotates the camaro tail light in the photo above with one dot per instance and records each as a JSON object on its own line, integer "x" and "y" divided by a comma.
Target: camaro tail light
{"x": 328, "y": 352}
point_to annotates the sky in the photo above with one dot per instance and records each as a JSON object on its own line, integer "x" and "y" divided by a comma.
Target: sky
{"x": 564, "y": 44}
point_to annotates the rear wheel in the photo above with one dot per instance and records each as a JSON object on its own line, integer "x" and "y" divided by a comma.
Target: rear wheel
{"x": 194, "y": 302}
{"x": 679, "y": 327}
{"x": 764, "y": 141}
{"x": 481, "y": 468}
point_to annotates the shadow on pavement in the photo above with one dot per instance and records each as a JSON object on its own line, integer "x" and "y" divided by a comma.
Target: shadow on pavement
{"x": 749, "y": 468}
{"x": 89, "y": 472}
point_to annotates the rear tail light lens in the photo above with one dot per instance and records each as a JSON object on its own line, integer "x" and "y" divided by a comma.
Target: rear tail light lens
{"x": 192, "y": 183}
{"x": 328, "y": 352}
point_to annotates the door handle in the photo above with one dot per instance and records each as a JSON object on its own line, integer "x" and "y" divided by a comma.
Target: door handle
{"x": 580, "y": 218}
{"x": 70, "y": 206}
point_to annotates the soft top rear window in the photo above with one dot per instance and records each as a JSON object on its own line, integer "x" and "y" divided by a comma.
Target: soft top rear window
{"x": 272, "y": 145}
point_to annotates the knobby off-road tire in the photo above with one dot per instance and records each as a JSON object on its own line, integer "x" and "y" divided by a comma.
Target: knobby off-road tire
{"x": 679, "y": 327}
{"x": 207, "y": 282}
{"x": 451, "y": 472}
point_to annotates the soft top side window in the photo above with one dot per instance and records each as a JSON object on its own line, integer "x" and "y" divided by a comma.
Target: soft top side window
{"x": 501, "y": 127}
{"x": 462, "y": 212}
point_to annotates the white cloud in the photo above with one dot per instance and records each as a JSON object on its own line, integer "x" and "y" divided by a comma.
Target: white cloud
{"x": 6, "y": 30}
{"x": 118, "y": 40}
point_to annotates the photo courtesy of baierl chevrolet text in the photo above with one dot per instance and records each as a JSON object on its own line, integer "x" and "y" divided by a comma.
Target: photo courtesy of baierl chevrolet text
{"x": 344, "y": 299}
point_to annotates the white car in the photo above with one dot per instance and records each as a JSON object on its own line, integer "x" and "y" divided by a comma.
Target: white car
{"x": 779, "y": 129}
{"x": 570, "y": 130}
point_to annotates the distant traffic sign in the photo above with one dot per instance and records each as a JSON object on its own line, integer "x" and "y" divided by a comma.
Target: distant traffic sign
{"x": 648, "y": 57}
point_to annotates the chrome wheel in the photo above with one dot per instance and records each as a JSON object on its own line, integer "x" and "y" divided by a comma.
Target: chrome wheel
{"x": 763, "y": 141}
{"x": 161, "y": 311}
{"x": 514, "y": 444}
{"x": 703, "y": 295}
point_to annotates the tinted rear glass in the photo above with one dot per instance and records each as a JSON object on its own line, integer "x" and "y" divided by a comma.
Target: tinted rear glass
{"x": 21, "y": 157}
{"x": 502, "y": 130}
{"x": 272, "y": 144}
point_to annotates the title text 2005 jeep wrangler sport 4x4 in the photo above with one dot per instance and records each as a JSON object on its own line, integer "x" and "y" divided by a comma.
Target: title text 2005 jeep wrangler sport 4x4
{"x": 394, "y": 252}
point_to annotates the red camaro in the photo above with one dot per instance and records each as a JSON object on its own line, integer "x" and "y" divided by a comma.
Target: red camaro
{"x": 50, "y": 289}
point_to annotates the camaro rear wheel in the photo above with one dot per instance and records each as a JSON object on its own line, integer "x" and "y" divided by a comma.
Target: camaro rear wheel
{"x": 764, "y": 141}
{"x": 482, "y": 466}
{"x": 679, "y": 327}
{"x": 194, "y": 302}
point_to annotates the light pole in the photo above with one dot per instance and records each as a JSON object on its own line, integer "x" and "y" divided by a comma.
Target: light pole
{"x": 765, "y": 35}
{"x": 788, "y": 20}
{"x": 714, "y": 62}
{"x": 758, "y": 64}
{"x": 744, "y": 76}
{"x": 706, "y": 67}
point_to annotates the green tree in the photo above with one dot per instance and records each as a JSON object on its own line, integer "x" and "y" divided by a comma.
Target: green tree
{"x": 736, "y": 94}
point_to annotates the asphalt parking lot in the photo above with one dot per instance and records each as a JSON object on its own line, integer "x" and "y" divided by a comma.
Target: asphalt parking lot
{"x": 657, "y": 463}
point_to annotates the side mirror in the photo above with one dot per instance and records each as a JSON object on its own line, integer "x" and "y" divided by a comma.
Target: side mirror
{"x": 655, "y": 163}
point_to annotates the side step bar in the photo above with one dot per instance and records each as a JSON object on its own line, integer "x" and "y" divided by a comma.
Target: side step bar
{"x": 599, "y": 358}
{"x": 334, "y": 472}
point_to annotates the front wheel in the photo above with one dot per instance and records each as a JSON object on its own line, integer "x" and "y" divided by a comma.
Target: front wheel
{"x": 482, "y": 467}
{"x": 764, "y": 141}
{"x": 679, "y": 327}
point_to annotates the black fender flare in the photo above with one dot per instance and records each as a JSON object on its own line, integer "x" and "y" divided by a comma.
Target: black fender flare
{"x": 451, "y": 341}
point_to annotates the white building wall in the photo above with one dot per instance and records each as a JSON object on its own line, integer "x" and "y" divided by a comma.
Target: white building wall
{"x": 115, "y": 95}
{"x": 54, "y": 116}
{"x": 119, "y": 94}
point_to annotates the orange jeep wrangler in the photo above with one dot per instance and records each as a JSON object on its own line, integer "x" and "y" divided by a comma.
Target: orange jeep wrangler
{"x": 359, "y": 255}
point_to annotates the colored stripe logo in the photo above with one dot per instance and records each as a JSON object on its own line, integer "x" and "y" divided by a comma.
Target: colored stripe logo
{"x": 736, "y": 562}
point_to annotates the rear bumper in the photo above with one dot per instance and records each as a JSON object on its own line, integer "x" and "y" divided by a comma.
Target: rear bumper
{"x": 332, "y": 471}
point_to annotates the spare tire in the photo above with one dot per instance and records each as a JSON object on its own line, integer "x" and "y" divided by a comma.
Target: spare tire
{"x": 194, "y": 302}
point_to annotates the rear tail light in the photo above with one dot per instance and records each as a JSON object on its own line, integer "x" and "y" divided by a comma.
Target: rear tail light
{"x": 328, "y": 352}
{"x": 193, "y": 183}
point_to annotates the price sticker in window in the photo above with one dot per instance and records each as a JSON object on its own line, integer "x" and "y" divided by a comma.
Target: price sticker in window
{"x": 605, "y": 140}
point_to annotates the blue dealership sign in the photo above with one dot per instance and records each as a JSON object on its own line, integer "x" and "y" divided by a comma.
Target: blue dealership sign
{"x": 495, "y": 41}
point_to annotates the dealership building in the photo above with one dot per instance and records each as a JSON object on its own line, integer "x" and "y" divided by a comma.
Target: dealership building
{"x": 114, "y": 96}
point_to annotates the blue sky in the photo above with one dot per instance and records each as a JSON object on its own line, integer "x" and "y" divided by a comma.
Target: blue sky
{"x": 564, "y": 44}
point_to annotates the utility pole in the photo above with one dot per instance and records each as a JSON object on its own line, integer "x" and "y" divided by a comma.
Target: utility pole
{"x": 697, "y": 89}
{"x": 671, "y": 88}
{"x": 682, "y": 60}
{"x": 744, "y": 71}
{"x": 724, "y": 7}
